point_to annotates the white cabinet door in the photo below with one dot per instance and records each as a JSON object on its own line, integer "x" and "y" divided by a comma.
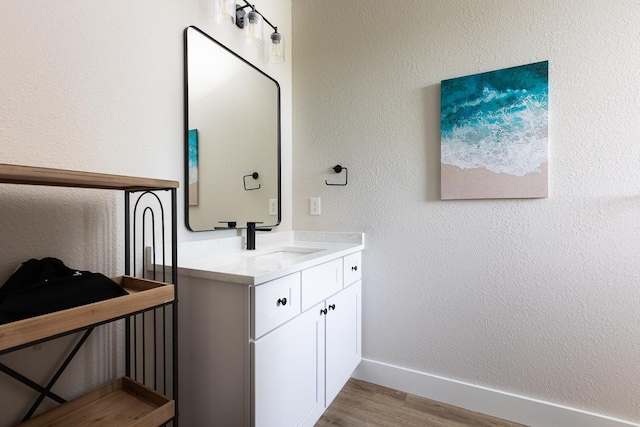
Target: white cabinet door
{"x": 288, "y": 366}
{"x": 343, "y": 340}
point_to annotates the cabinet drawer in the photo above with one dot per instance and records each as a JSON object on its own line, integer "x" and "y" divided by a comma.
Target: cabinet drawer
{"x": 352, "y": 268}
{"x": 320, "y": 282}
{"x": 274, "y": 303}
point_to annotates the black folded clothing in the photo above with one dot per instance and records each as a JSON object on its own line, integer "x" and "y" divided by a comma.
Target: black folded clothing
{"x": 47, "y": 285}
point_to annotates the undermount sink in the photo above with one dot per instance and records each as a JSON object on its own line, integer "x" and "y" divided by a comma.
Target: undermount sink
{"x": 285, "y": 253}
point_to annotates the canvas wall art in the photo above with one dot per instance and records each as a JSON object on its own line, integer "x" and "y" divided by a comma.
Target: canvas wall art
{"x": 193, "y": 167}
{"x": 494, "y": 134}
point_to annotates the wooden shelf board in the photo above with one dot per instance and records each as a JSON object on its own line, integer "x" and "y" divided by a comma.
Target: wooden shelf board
{"x": 31, "y": 175}
{"x": 122, "y": 403}
{"x": 143, "y": 294}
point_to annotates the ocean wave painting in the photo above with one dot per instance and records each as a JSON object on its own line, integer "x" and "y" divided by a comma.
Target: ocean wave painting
{"x": 494, "y": 134}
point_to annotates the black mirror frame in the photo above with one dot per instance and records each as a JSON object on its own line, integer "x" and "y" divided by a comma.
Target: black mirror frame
{"x": 186, "y": 131}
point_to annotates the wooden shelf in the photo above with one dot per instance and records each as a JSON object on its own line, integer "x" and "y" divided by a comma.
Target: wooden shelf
{"x": 30, "y": 175}
{"x": 122, "y": 403}
{"x": 143, "y": 294}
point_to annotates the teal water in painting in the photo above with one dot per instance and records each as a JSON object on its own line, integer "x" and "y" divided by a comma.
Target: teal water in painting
{"x": 193, "y": 156}
{"x": 497, "y": 120}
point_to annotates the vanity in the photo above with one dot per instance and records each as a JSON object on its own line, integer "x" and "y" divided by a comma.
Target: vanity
{"x": 268, "y": 337}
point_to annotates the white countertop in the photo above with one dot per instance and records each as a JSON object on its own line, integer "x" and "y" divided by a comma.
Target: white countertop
{"x": 276, "y": 255}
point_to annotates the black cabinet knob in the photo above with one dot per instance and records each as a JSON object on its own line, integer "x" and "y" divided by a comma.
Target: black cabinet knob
{"x": 282, "y": 301}
{"x": 323, "y": 311}
{"x": 354, "y": 268}
{"x": 332, "y": 307}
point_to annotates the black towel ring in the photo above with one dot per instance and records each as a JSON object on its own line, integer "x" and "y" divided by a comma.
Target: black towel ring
{"x": 338, "y": 169}
{"x": 244, "y": 181}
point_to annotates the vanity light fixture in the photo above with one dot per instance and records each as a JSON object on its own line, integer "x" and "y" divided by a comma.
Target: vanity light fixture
{"x": 252, "y": 24}
{"x": 224, "y": 11}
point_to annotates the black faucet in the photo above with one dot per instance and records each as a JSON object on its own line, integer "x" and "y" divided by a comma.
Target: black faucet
{"x": 251, "y": 234}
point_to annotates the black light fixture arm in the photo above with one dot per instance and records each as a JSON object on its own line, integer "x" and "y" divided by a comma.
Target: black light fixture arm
{"x": 267, "y": 21}
{"x": 240, "y": 17}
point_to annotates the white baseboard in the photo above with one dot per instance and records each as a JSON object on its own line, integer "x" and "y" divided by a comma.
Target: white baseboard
{"x": 519, "y": 409}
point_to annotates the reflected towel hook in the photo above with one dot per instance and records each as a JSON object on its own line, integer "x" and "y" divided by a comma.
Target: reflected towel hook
{"x": 244, "y": 181}
{"x": 338, "y": 169}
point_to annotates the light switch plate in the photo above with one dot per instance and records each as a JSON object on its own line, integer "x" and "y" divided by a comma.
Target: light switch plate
{"x": 314, "y": 206}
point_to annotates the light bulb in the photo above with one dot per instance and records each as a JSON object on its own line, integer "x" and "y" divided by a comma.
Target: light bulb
{"x": 253, "y": 29}
{"x": 276, "y": 48}
{"x": 224, "y": 11}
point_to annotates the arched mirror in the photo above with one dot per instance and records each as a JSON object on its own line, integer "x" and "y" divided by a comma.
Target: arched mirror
{"x": 232, "y": 138}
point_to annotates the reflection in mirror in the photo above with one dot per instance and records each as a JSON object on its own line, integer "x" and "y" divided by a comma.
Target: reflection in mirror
{"x": 232, "y": 116}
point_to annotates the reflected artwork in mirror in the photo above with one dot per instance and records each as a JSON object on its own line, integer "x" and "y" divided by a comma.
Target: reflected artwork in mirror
{"x": 232, "y": 138}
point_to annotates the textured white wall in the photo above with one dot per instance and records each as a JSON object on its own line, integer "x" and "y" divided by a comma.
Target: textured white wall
{"x": 97, "y": 86}
{"x": 535, "y": 297}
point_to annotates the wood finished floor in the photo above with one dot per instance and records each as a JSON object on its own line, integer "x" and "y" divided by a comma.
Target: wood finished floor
{"x": 364, "y": 404}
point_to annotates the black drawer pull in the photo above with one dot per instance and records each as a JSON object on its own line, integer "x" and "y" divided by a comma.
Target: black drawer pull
{"x": 282, "y": 301}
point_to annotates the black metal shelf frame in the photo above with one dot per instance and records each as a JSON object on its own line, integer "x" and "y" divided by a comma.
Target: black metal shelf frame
{"x": 138, "y": 331}
{"x": 139, "y": 328}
